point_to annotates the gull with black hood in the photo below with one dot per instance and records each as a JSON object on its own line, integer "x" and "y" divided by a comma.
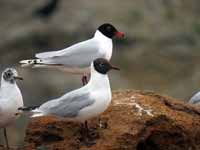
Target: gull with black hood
{"x": 84, "y": 103}
{"x": 78, "y": 57}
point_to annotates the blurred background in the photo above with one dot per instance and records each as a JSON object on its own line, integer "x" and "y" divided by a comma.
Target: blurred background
{"x": 160, "y": 52}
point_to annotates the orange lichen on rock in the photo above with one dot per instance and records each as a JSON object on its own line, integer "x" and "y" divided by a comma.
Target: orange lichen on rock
{"x": 134, "y": 121}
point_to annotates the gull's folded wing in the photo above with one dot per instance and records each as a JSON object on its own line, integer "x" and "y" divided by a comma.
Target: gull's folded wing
{"x": 78, "y": 55}
{"x": 68, "y": 105}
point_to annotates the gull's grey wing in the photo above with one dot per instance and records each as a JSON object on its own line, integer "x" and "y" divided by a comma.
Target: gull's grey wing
{"x": 67, "y": 106}
{"x": 195, "y": 99}
{"x": 78, "y": 55}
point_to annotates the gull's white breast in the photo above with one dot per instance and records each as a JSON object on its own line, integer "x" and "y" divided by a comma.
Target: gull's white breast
{"x": 9, "y": 104}
{"x": 99, "y": 106}
{"x": 101, "y": 93}
{"x": 105, "y": 45}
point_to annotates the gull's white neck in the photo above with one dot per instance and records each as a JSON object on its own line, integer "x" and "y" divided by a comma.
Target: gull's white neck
{"x": 100, "y": 36}
{"x": 105, "y": 43}
{"x": 98, "y": 80}
{"x": 9, "y": 88}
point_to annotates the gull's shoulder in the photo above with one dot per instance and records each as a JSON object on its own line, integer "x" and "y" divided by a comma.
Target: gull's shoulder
{"x": 76, "y": 93}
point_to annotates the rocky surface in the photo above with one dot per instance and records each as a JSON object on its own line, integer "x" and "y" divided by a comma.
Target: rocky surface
{"x": 135, "y": 120}
{"x": 160, "y": 51}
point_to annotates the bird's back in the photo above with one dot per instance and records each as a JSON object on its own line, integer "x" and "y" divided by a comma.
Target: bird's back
{"x": 79, "y": 55}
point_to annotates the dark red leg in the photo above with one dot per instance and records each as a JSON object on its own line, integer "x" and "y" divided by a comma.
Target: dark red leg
{"x": 84, "y": 129}
{"x": 6, "y": 138}
{"x": 84, "y": 79}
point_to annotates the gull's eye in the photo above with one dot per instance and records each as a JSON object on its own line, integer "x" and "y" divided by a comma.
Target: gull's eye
{"x": 102, "y": 65}
{"x": 9, "y": 74}
{"x": 108, "y": 28}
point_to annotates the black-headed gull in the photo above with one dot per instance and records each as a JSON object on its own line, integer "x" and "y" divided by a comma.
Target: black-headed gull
{"x": 82, "y": 104}
{"x": 10, "y": 99}
{"x": 78, "y": 57}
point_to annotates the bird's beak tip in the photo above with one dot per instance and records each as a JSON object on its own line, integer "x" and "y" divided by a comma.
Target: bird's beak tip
{"x": 18, "y": 78}
{"x": 120, "y": 34}
{"x": 115, "y": 68}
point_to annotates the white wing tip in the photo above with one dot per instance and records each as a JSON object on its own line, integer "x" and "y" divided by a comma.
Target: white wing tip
{"x": 25, "y": 63}
{"x": 37, "y": 115}
{"x": 29, "y": 62}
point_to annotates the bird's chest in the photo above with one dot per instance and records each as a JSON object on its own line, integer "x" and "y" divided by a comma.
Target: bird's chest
{"x": 106, "y": 48}
{"x": 13, "y": 104}
{"x": 9, "y": 108}
{"x": 101, "y": 103}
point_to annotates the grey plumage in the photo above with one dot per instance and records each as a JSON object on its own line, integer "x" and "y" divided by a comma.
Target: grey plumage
{"x": 195, "y": 99}
{"x": 68, "y": 105}
{"x": 86, "y": 51}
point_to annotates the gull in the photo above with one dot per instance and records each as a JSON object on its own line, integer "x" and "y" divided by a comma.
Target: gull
{"x": 195, "y": 99}
{"x": 78, "y": 57}
{"x": 10, "y": 99}
{"x": 84, "y": 103}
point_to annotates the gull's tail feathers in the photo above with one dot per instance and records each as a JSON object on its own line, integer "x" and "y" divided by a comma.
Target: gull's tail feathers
{"x": 38, "y": 63}
{"x": 32, "y": 111}
{"x": 30, "y": 62}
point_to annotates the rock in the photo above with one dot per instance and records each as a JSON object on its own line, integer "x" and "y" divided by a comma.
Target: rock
{"x": 135, "y": 120}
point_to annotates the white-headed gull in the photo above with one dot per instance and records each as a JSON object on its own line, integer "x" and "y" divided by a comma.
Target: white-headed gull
{"x": 10, "y": 99}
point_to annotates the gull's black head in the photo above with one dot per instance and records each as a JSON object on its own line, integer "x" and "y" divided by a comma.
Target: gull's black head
{"x": 11, "y": 75}
{"x": 102, "y": 66}
{"x": 110, "y": 31}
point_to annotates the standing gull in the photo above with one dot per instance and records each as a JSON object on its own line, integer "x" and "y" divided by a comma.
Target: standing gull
{"x": 78, "y": 57}
{"x": 10, "y": 99}
{"x": 82, "y": 104}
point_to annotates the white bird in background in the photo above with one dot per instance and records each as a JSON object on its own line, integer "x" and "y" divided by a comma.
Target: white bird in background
{"x": 78, "y": 57}
{"x": 195, "y": 99}
{"x": 82, "y": 104}
{"x": 10, "y": 99}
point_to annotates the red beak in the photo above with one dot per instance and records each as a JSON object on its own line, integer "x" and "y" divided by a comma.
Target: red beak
{"x": 119, "y": 34}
